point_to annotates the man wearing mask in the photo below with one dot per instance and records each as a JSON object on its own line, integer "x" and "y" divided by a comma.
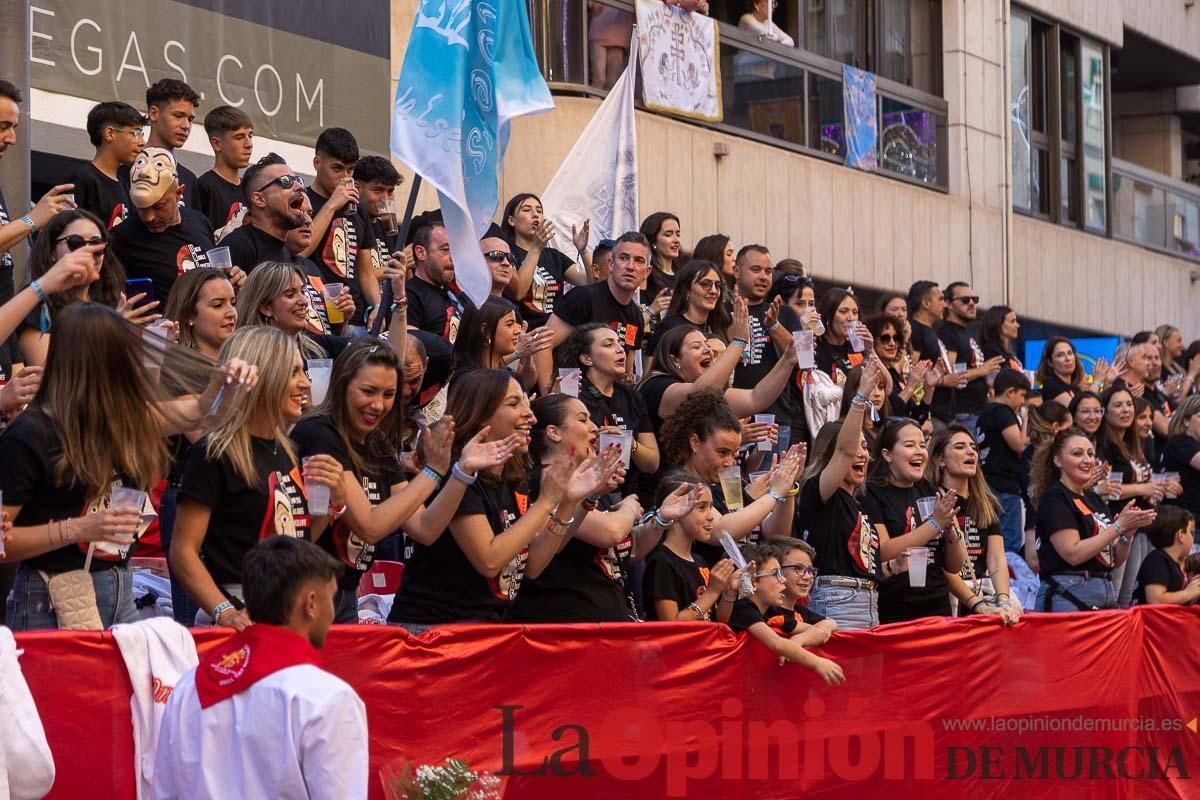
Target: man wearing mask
{"x": 970, "y": 392}
{"x": 171, "y": 108}
{"x": 277, "y": 201}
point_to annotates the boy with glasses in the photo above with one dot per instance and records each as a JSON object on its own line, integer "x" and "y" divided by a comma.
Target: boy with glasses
{"x": 115, "y": 130}
{"x": 799, "y": 575}
{"x": 763, "y": 614}
{"x": 970, "y": 395}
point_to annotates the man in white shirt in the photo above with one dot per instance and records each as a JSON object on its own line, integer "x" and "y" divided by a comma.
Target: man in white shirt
{"x": 259, "y": 717}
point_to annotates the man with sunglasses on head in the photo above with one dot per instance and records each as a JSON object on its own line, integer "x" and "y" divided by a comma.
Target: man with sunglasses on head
{"x": 275, "y": 195}
{"x": 970, "y": 393}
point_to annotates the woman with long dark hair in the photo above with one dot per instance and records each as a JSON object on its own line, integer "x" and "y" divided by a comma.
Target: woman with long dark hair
{"x": 835, "y": 355}
{"x": 662, "y": 230}
{"x": 542, "y": 270}
{"x": 1060, "y": 372}
{"x": 492, "y": 337}
{"x": 996, "y": 336}
{"x": 717, "y": 248}
{"x": 498, "y": 534}
{"x": 696, "y": 301}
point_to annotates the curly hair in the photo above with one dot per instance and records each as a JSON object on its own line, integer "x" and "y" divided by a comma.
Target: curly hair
{"x": 702, "y": 413}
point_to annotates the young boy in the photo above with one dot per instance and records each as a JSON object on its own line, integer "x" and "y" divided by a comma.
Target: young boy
{"x": 764, "y": 616}
{"x": 1001, "y": 443}
{"x": 796, "y": 560}
{"x": 218, "y": 194}
{"x": 171, "y": 108}
{"x": 115, "y": 130}
{"x": 1160, "y": 578}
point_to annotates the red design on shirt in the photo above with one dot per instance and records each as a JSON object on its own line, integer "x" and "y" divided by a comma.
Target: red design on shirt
{"x": 245, "y": 659}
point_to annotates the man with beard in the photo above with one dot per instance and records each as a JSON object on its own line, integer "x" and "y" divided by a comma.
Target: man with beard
{"x": 163, "y": 239}
{"x": 432, "y": 305}
{"x": 276, "y": 198}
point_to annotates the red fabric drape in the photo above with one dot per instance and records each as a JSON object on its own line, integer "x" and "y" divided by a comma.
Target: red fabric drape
{"x": 1065, "y": 705}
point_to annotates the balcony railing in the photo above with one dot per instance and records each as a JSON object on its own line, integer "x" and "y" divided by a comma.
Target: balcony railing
{"x": 783, "y": 96}
{"x": 1154, "y": 211}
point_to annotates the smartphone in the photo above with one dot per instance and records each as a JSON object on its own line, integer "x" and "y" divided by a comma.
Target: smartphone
{"x": 136, "y": 286}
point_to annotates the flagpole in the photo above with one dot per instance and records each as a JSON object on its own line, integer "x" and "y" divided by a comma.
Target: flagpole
{"x": 386, "y": 303}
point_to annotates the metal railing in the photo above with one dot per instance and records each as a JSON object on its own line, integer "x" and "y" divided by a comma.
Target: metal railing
{"x": 784, "y": 96}
{"x": 1155, "y": 211}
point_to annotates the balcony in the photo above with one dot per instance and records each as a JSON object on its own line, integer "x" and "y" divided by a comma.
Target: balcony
{"x": 1154, "y": 211}
{"x": 782, "y": 96}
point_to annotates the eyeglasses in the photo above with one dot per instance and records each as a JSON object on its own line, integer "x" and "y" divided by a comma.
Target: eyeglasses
{"x": 708, "y": 285}
{"x": 500, "y": 255}
{"x": 801, "y": 570}
{"x": 75, "y": 241}
{"x": 285, "y": 182}
{"x": 136, "y": 133}
{"x": 967, "y": 300}
{"x": 777, "y": 572}
{"x": 887, "y": 338}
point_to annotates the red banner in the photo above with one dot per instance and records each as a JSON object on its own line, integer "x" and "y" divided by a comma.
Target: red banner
{"x": 1099, "y": 705}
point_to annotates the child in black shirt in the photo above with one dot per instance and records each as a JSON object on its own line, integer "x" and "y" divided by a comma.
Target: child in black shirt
{"x": 1161, "y": 578}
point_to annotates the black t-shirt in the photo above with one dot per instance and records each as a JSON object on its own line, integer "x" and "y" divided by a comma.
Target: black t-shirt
{"x": 105, "y": 197}
{"x": 625, "y": 410}
{"x": 250, "y": 246}
{"x": 435, "y": 309}
{"x": 658, "y": 282}
{"x": 538, "y": 303}
{"x": 1177, "y": 457}
{"x": 1158, "y": 568}
{"x": 807, "y": 615}
{"x": 29, "y": 450}
{"x": 163, "y": 257}
{"x": 1053, "y": 386}
{"x": 337, "y": 252}
{"x": 317, "y": 321}
{"x": 896, "y": 508}
{"x": 976, "y": 540}
{"x": 959, "y": 340}
{"x": 674, "y": 321}
{"x": 318, "y": 435}
{"x": 761, "y": 358}
{"x": 595, "y": 303}
{"x": 241, "y": 514}
{"x": 1061, "y": 509}
{"x": 836, "y": 360}
{"x": 846, "y": 542}
{"x": 669, "y": 577}
{"x": 991, "y": 350}
{"x": 218, "y": 199}
{"x": 745, "y": 614}
{"x": 928, "y": 347}
{"x": 1001, "y": 465}
{"x": 185, "y": 177}
{"x": 441, "y": 586}
{"x": 6, "y": 260}
{"x": 652, "y": 391}
{"x": 1135, "y": 471}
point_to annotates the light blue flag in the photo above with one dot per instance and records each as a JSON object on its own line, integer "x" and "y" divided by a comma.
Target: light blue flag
{"x": 468, "y": 70}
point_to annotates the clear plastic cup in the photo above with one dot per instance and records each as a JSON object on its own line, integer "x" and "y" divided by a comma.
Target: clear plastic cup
{"x": 769, "y": 419}
{"x": 319, "y": 372}
{"x": 220, "y": 258}
{"x": 318, "y": 496}
{"x": 569, "y": 380}
{"x": 806, "y": 349}
{"x": 856, "y": 342}
{"x": 124, "y": 497}
{"x": 332, "y": 292}
{"x": 925, "y": 507}
{"x": 1119, "y": 479}
{"x": 731, "y": 487}
{"x": 918, "y": 562}
{"x": 624, "y": 439}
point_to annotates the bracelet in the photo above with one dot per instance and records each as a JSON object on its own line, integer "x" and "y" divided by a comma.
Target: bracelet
{"x": 725, "y": 599}
{"x": 433, "y": 474}
{"x": 977, "y": 605}
{"x": 933, "y": 523}
{"x": 1120, "y": 530}
{"x": 564, "y": 523}
{"x": 37, "y": 289}
{"x": 28, "y": 220}
{"x": 557, "y": 531}
{"x": 659, "y": 520}
{"x": 220, "y": 608}
{"x": 70, "y": 536}
{"x": 860, "y": 398}
{"x": 336, "y": 511}
{"x": 457, "y": 472}
{"x": 778, "y": 498}
{"x": 795, "y": 490}
{"x": 700, "y": 615}
{"x": 742, "y": 343}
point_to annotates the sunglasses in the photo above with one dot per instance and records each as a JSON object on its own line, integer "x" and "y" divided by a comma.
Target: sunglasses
{"x": 968, "y": 300}
{"x": 887, "y": 338}
{"x": 708, "y": 285}
{"x": 285, "y": 182}
{"x": 500, "y": 255}
{"x": 801, "y": 570}
{"x": 75, "y": 241}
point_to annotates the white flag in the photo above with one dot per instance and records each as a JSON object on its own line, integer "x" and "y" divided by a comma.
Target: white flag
{"x": 598, "y": 178}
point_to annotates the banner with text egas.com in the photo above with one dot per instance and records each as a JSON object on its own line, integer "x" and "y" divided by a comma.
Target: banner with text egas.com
{"x": 680, "y": 61}
{"x": 1097, "y": 706}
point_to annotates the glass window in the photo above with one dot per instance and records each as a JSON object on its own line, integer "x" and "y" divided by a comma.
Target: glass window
{"x": 765, "y": 96}
{"x": 837, "y": 29}
{"x": 826, "y": 115}
{"x": 1069, "y": 80}
{"x": 1019, "y": 113}
{"x": 908, "y": 141}
{"x": 1185, "y": 224}
{"x": 1068, "y": 191}
{"x": 1092, "y": 108}
{"x": 896, "y": 41}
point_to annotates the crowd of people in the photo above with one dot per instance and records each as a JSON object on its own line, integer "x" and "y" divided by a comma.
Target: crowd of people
{"x": 636, "y": 434}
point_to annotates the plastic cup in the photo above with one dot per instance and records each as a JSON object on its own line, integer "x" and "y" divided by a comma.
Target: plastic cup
{"x": 806, "y": 349}
{"x": 1117, "y": 478}
{"x": 961, "y": 370}
{"x": 731, "y": 487}
{"x": 319, "y": 372}
{"x": 765, "y": 445}
{"x": 124, "y": 497}
{"x": 624, "y": 439}
{"x": 332, "y": 292}
{"x": 918, "y": 561}
{"x": 569, "y": 380}
{"x": 387, "y": 216}
{"x": 318, "y": 496}
{"x": 856, "y": 342}
{"x": 756, "y": 475}
{"x": 925, "y": 507}
{"x": 220, "y": 258}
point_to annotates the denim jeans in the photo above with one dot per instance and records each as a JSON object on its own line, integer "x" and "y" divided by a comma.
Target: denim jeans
{"x": 1094, "y": 591}
{"x": 1012, "y": 521}
{"x": 182, "y": 606}
{"x": 968, "y": 421}
{"x": 1125, "y": 580}
{"x": 345, "y": 606}
{"x": 29, "y": 603}
{"x": 356, "y": 331}
{"x": 852, "y": 609}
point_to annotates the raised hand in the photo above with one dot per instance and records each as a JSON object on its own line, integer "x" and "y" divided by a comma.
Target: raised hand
{"x": 771, "y": 315}
{"x": 740, "y": 327}
{"x": 945, "y": 509}
{"x": 580, "y": 236}
{"x": 76, "y": 268}
{"x": 437, "y": 444}
{"x": 478, "y": 454}
{"x": 784, "y": 476}
{"x": 679, "y": 503}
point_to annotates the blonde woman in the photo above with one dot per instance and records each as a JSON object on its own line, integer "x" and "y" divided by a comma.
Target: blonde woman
{"x": 242, "y": 482}
{"x": 275, "y": 295}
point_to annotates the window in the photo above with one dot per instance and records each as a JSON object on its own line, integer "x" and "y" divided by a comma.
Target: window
{"x": 896, "y": 39}
{"x": 1092, "y": 107}
{"x": 1028, "y": 118}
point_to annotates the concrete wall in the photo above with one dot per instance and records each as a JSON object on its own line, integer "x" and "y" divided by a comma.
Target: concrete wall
{"x": 1171, "y": 22}
{"x": 1102, "y": 19}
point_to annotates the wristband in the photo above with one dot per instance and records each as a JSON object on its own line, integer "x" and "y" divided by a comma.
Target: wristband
{"x": 778, "y": 498}
{"x": 977, "y": 605}
{"x": 436, "y": 476}
{"x": 933, "y": 523}
{"x": 659, "y": 520}
{"x": 742, "y": 343}
{"x": 457, "y": 472}
{"x": 37, "y": 289}
{"x": 1120, "y": 530}
{"x": 700, "y": 615}
{"x": 860, "y": 398}
{"x": 28, "y": 220}
{"x": 562, "y": 523}
{"x": 220, "y": 608}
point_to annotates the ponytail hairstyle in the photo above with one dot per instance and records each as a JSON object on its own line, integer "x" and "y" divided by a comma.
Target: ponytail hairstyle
{"x": 1044, "y": 472}
{"x": 982, "y": 505}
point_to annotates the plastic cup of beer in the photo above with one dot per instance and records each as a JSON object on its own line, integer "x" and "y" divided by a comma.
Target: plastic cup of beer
{"x": 387, "y": 216}
{"x": 220, "y": 258}
{"x": 765, "y": 419}
{"x": 1119, "y": 479}
{"x": 332, "y": 292}
{"x": 731, "y": 487}
{"x": 925, "y": 507}
{"x": 806, "y": 349}
{"x": 318, "y": 495}
{"x": 918, "y": 562}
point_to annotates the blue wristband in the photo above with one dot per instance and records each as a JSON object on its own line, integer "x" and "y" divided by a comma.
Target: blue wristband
{"x": 776, "y": 497}
{"x": 37, "y": 289}
{"x": 434, "y": 474}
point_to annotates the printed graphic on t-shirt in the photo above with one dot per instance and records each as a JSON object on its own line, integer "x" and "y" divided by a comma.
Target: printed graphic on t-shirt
{"x": 317, "y": 318}
{"x": 189, "y": 257}
{"x": 542, "y": 293}
{"x": 506, "y": 585}
{"x": 118, "y": 215}
{"x": 1108, "y": 556}
{"x": 341, "y": 247}
{"x": 287, "y": 513}
{"x": 864, "y": 544}
{"x": 353, "y": 551}
{"x": 609, "y": 561}
{"x": 977, "y": 356}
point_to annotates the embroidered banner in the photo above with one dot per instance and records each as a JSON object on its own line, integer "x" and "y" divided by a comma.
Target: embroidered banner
{"x": 680, "y": 60}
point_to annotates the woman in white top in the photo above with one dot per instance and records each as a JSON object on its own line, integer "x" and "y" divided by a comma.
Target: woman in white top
{"x": 758, "y": 21}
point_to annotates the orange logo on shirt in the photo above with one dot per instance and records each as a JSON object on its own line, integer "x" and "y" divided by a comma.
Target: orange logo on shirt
{"x": 776, "y": 622}
{"x": 522, "y": 502}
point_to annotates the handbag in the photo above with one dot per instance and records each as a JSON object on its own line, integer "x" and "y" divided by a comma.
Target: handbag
{"x": 73, "y": 600}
